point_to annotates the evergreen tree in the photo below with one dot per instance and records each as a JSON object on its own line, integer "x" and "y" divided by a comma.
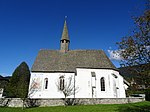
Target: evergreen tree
{"x": 19, "y": 82}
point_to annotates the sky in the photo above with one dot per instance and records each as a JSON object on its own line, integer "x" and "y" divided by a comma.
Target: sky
{"x": 26, "y": 26}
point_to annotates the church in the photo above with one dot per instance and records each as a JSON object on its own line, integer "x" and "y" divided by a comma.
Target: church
{"x": 90, "y": 73}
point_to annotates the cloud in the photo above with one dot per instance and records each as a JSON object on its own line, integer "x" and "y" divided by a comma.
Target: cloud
{"x": 114, "y": 55}
{"x": 148, "y": 47}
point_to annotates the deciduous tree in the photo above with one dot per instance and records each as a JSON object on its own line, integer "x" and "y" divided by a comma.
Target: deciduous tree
{"x": 68, "y": 88}
{"x": 135, "y": 49}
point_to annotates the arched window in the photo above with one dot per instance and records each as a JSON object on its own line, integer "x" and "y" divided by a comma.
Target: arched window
{"x": 62, "y": 82}
{"x": 45, "y": 83}
{"x": 102, "y": 82}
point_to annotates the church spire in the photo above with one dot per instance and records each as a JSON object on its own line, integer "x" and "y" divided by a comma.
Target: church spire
{"x": 64, "y": 42}
{"x": 65, "y": 35}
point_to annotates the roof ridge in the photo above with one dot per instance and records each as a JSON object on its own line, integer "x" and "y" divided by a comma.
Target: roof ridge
{"x": 86, "y": 50}
{"x": 49, "y": 50}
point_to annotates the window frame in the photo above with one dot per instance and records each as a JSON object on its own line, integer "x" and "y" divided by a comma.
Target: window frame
{"x": 46, "y": 83}
{"x": 62, "y": 82}
{"x": 102, "y": 84}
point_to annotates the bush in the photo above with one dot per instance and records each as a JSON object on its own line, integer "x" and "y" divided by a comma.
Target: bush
{"x": 147, "y": 95}
{"x": 131, "y": 92}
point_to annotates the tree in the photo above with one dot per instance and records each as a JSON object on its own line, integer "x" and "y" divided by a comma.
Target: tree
{"x": 19, "y": 82}
{"x": 67, "y": 87}
{"x": 135, "y": 49}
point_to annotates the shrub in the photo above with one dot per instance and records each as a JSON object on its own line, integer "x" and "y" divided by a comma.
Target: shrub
{"x": 147, "y": 95}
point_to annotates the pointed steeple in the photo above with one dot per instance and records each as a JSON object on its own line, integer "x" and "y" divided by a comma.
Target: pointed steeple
{"x": 65, "y": 35}
{"x": 64, "y": 42}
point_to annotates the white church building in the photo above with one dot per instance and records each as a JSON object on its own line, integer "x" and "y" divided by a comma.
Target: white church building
{"x": 92, "y": 73}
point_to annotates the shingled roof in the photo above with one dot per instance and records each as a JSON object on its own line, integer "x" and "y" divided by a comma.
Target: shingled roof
{"x": 65, "y": 35}
{"x": 56, "y": 61}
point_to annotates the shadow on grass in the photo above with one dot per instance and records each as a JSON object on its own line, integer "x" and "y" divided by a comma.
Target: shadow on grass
{"x": 134, "y": 108}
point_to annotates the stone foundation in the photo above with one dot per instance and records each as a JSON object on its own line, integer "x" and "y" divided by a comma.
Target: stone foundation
{"x": 17, "y": 102}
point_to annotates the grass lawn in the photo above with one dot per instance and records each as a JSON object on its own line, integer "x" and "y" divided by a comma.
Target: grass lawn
{"x": 132, "y": 107}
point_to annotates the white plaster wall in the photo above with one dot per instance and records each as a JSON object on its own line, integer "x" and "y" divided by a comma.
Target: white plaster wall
{"x": 52, "y": 90}
{"x": 120, "y": 85}
{"x": 126, "y": 86}
{"x": 1, "y": 92}
{"x": 83, "y": 81}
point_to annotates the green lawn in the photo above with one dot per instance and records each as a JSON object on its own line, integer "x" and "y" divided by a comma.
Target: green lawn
{"x": 134, "y": 107}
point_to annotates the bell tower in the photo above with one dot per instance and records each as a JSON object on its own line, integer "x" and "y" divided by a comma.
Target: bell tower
{"x": 64, "y": 42}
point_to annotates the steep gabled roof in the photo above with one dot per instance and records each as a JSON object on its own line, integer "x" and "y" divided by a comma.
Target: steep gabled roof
{"x": 56, "y": 61}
